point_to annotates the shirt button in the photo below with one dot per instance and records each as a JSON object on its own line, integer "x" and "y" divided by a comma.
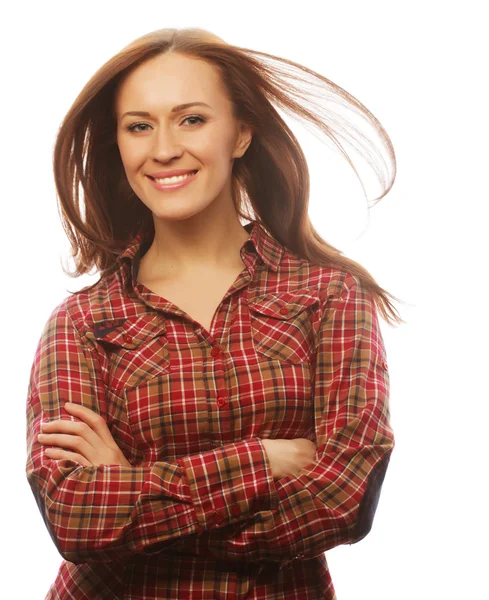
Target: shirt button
{"x": 235, "y": 510}
{"x": 384, "y": 364}
{"x": 221, "y": 401}
{"x": 284, "y": 311}
{"x": 128, "y": 338}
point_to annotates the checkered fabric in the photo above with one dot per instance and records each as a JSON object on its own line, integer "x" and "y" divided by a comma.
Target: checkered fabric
{"x": 294, "y": 351}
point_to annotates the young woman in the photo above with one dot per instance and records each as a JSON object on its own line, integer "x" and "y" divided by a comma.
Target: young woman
{"x": 212, "y": 415}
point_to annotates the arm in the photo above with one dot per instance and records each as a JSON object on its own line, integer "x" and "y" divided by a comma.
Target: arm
{"x": 333, "y": 500}
{"x": 110, "y": 512}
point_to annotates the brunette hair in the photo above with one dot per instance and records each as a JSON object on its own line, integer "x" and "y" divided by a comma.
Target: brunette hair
{"x": 270, "y": 181}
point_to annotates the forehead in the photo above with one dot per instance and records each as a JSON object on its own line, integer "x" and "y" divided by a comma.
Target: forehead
{"x": 170, "y": 79}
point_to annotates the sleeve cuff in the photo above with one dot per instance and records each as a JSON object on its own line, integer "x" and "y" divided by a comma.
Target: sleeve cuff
{"x": 230, "y": 483}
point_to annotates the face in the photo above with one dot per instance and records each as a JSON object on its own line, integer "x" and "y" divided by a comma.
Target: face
{"x": 200, "y": 138}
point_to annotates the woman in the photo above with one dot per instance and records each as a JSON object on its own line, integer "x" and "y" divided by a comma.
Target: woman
{"x": 228, "y": 416}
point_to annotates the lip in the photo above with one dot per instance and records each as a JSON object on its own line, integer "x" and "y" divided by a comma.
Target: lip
{"x": 173, "y": 186}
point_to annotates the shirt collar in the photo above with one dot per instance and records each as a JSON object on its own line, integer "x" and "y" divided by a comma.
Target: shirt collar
{"x": 260, "y": 240}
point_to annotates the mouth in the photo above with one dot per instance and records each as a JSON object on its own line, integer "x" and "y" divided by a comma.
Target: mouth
{"x": 173, "y": 183}
{"x": 189, "y": 174}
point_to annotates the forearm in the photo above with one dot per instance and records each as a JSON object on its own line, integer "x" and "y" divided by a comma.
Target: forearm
{"x": 331, "y": 502}
{"x": 109, "y": 512}
{"x": 334, "y": 500}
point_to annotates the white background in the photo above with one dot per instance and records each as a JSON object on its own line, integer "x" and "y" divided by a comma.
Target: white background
{"x": 421, "y": 68}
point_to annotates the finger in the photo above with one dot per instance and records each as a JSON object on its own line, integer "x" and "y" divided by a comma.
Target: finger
{"x": 59, "y": 454}
{"x": 74, "y": 428}
{"x": 73, "y": 442}
{"x": 94, "y": 420}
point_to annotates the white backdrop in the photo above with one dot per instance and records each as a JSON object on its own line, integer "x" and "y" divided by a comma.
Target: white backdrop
{"x": 421, "y": 68}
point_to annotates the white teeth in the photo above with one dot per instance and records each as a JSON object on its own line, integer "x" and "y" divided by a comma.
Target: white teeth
{"x": 173, "y": 179}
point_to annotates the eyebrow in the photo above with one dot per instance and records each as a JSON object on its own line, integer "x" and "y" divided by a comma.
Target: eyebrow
{"x": 142, "y": 113}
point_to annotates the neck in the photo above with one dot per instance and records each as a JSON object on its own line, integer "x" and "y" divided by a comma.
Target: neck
{"x": 189, "y": 245}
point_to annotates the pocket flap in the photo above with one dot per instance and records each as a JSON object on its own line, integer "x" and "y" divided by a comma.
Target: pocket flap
{"x": 283, "y": 305}
{"x": 127, "y": 333}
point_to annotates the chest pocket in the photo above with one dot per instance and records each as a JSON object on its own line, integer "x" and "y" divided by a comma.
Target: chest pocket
{"x": 281, "y": 325}
{"x": 136, "y": 347}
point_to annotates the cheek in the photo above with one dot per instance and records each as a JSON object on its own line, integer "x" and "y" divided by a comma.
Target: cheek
{"x": 129, "y": 158}
{"x": 131, "y": 154}
{"x": 214, "y": 147}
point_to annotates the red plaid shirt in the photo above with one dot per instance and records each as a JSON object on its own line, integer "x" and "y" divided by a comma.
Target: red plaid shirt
{"x": 294, "y": 350}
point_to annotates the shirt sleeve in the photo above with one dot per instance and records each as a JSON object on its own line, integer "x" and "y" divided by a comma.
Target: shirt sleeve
{"x": 333, "y": 501}
{"x": 110, "y": 512}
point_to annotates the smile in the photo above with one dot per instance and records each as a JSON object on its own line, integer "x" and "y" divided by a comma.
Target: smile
{"x": 172, "y": 183}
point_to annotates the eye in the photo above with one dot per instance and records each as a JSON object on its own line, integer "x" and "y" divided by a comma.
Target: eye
{"x": 135, "y": 126}
{"x": 199, "y": 118}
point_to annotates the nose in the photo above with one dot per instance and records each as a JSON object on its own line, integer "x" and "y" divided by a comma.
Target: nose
{"x": 166, "y": 144}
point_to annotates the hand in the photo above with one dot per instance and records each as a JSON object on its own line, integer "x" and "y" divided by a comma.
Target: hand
{"x": 89, "y": 443}
{"x": 288, "y": 457}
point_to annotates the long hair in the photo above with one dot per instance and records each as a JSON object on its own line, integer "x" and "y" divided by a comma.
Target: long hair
{"x": 270, "y": 182}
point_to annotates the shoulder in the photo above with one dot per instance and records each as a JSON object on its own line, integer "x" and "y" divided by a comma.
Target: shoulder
{"x": 103, "y": 301}
{"x": 327, "y": 282}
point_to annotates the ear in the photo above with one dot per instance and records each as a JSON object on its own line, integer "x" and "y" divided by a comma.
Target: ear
{"x": 244, "y": 140}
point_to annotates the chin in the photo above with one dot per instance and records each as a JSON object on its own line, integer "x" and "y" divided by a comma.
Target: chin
{"x": 178, "y": 214}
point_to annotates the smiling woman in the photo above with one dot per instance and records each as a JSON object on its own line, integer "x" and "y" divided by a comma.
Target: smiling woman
{"x": 206, "y": 144}
{"x": 228, "y": 415}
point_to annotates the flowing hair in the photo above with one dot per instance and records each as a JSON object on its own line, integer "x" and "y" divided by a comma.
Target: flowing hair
{"x": 270, "y": 182}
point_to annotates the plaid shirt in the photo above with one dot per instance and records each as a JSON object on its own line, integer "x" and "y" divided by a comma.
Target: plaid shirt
{"x": 294, "y": 351}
